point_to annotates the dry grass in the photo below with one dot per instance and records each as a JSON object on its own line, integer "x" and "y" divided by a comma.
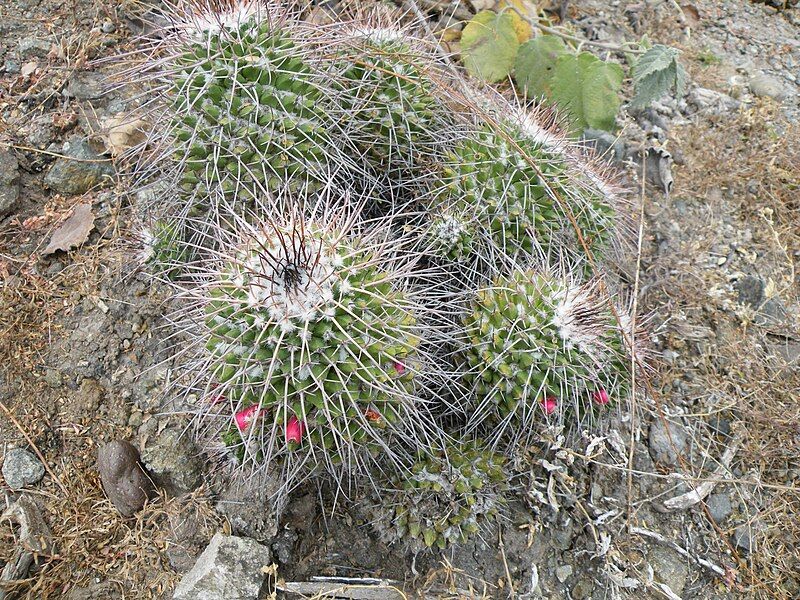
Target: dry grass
{"x": 92, "y": 541}
{"x": 753, "y": 159}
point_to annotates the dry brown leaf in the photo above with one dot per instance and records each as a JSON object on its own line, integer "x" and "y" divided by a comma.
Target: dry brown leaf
{"x": 72, "y": 232}
{"x": 121, "y": 132}
{"x": 29, "y": 68}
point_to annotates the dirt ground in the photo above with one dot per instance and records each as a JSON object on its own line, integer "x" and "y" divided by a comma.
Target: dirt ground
{"x": 84, "y": 348}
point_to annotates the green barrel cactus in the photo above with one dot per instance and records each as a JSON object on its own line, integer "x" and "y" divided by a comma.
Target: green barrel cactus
{"x": 446, "y": 498}
{"x": 245, "y": 107}
{"x": 521, "y": 186}
{"x": 537, "y": 344}
{"x": 304, "y": 329}
{"x": 383, "y": 88}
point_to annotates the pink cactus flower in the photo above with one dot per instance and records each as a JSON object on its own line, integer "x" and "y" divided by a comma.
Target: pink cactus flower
{"x": 294, "y": 431}
{"x": 549, "y": 404}
{"x": 245, "y": 417}
{"x": 399, "y": 367}
{"x": 600, "y": 397}
{"x": 372, "y": 415}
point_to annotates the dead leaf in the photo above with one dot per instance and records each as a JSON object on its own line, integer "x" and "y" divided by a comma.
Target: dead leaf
{"x": 29, "y": 68}
{"x": 121, "y": 132}
{"x": 690, "y": 10}
{"x": 72, "y": 232}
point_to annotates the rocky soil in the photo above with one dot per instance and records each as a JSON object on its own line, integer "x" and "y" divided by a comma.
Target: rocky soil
{"x": 692, "y": 491}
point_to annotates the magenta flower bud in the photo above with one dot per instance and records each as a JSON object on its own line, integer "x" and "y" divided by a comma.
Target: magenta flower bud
{"x": 245, "y": 417}
{"x": 294, "y": 431}
{"x": 600, "y": 397}
{"x": 399, "y": 367}
{"x": 549, "y": 404}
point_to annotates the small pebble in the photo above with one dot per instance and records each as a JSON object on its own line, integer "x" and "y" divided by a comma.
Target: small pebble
{"x": 21, "y": 468}
{"x": 124, "y": 481}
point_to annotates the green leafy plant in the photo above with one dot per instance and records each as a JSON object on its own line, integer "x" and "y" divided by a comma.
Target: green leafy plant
{"x": 587, "y": 87}
{"x": 489, "y": 44}
{"x": 655, "y": 73}
{"x": 536, "y": 63}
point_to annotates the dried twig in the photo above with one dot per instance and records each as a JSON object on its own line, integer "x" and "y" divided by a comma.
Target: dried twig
{"x": 679, "y": 549}
{"x": 697, "y": 494}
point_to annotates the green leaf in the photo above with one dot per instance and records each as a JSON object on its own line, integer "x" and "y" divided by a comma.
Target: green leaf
{"x": 536, "y": 61}
{"x": 657, "y": 58}
{"x": 489, "y": 45}
{"x": 656, "y": 73}
{"x": 589, "y": 89}
{"x": 653, "y": 87}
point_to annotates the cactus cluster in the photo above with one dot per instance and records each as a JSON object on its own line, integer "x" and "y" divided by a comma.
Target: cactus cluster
{"x": 334, "y": 334}
{"x": 446, "y": 498}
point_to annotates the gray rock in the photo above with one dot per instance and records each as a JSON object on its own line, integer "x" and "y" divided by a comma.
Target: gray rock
{"x": 669, "y": 568}
{"x": 743, "y": 537}
{"x": 21, "y": 468}
{"x": 667, "y": 441}
{"x": 230, "y": 568}
{"x": 563, "y": 572}
{"x": 9, "y": 182}
{"x": 172, "y": 460}
{"x": 712, "y": 101}
{"x": 73, "y": 177}
{"x": 248, "y": 509}
{"x": 720, "y": 507}
{"x": 30, "y": 48}
{"x": 766, "y": 86}
{"x": 124, "y": 481}
{"x": 84, "y": 85}
{"x": 583, "y": 589}
{"x": 605, "y": 144}
{"x": 108, "y": 27}
{"x": 751, "y": 291}
{"x": 95, "y": 591}
{"x": 188, "y": 536}
{"x": 11, "y": 66}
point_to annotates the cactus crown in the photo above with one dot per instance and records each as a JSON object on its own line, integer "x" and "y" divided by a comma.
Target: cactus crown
{"x": 383, "y": 84}
{"x": 303, "y": 324}
{"x": 245, "y": 105}
{"x": 518, "y": 179}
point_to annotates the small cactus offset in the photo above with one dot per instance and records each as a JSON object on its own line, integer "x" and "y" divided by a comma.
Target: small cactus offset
{"x": 538, "y": 344}
{"x": 450, "y": 236}
{"x": 306, "y": 328}
{"x": 163, "y": 251}
{"x": 446, "y": 498}
{"x": 520, "y": 183}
